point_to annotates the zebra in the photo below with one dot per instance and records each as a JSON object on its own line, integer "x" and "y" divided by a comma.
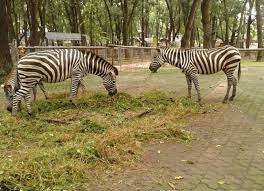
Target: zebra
{"x": 57, "y": 65}
{"x": 202, "y": 61}
{"x": 11, "y": 87}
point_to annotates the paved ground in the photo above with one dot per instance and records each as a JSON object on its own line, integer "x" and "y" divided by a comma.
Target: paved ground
{"x": 227, "y": 153}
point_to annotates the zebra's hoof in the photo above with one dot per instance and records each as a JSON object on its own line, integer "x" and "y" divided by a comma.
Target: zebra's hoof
{"x": 224, "y": 101}
{"x": 231, "y": 99}
{"x": 14, "y": 114}
{"x": 74, "y": 104}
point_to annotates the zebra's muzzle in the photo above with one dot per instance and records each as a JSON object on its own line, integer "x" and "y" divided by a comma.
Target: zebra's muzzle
{"x": 153, "y": 70}
{"x": 112, "y": 93}
{"x": 9, "y": 108}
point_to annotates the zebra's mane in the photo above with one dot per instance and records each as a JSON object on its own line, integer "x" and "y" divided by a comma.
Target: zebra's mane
{"x": 105, "y": 61}
{"x": 10, "y": 77}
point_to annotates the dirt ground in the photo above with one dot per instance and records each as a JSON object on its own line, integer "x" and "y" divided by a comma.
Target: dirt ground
{"x": 227, "y": 152}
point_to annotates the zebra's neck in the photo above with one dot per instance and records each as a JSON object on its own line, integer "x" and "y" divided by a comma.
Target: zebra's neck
{"x": 12, "y": 79}
{"x": 173, "y": 56}
{"x": 96, "y": 65}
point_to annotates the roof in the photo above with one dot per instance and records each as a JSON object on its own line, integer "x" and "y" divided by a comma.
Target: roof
{"x": 62, "y": 36}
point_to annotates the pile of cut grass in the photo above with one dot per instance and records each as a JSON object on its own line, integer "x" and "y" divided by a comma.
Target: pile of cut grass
{"x": 59, "y": 147}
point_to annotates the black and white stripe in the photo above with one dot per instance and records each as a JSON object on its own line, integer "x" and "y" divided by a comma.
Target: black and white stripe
{"x": 54, "y": 66}
{"x": 202, "y": 61}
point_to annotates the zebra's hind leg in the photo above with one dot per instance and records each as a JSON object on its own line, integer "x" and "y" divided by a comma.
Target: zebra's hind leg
{"x": 41, "y": 85}
{"x": 229, "y": 84}
{"x": 75, "y": 80}
{"x": 189, "y": 84}
{"x": 195, "y": 80}
{"x": 28, "y": 104}
{"x": 34, "y": 93}
{"x": 234, "y": 89}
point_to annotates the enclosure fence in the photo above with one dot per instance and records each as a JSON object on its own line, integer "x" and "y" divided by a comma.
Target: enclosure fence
{"x": 119, "y": 55}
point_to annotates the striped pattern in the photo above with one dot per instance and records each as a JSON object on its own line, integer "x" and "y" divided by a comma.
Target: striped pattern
{"x": 54, "y": 66}
{"x": 202, "y": 61}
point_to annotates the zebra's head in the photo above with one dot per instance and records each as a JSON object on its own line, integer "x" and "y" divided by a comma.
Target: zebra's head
{"x": 9, "y": 92}
{"x": 156, "y": 62}
{"x": 109, "y": 81}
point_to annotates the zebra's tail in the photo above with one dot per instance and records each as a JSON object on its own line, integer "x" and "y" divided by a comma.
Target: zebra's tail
{"x": 239, "y": 71}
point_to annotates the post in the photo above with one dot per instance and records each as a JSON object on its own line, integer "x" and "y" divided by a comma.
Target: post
{"x": 112, "y": 52}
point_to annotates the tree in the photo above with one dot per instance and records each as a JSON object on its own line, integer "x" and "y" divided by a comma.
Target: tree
{"x": 5, "y": 57}
{"x": 241, "y": 23}
{"x": 127, "y": 18}
{"x": 259, "y": 29}
{"x": 249, "y": 22}
{"x": 185, "y": 42}
{"x": 205, "y": 8}
{"x": 32, "y": 11}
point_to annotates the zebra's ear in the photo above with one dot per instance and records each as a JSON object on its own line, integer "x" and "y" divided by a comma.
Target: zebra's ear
{"x": 7, "y": 87}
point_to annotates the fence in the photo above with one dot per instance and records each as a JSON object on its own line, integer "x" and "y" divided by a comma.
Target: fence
{"x": 117, "y": 55}
{"x": 123, "y": 55}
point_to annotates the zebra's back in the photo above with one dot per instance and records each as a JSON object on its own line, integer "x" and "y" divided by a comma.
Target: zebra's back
{"x": 50, "y": 66}
{"x": 214, "y": 60}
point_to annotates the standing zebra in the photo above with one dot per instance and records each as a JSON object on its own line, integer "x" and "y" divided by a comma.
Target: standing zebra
{"x": 202, "y": 61}
{"x": 56, "y": 66}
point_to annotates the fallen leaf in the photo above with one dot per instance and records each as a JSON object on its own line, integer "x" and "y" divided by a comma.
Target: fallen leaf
{"x": 190, "y": 162}
{"x": 172, "y": 185}
{"x": 1, "y": 172}
{"x": 184, "y": 160}
{"x": 178, "y": 177}
{"x": 158, "y": 151}
{"x": 218, "y": 145}
{"x": 221, "y": 182}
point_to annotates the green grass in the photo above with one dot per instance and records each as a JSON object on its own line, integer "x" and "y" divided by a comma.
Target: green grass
{"x": 61, "y": 145}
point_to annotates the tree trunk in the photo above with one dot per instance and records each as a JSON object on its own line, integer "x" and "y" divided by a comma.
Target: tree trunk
{"x": 259, "y": 29}
{"x": 205, "y": 7}
{"x": 142, "y": 24}
{"x": 127, "y": 17}
{"x": 11, "y": 29}
{"x": 33, "y": 22}
{"x": 241, "y": 23}
{"x": 5, "y": 57}
{"x": 249, "y": 22}
{"x": 226, "y": 23}
{"x": 214, "y": 31}
{"x": 185, "y": 41}
{"x": 171, "y": 20}
{"x": 110, "y": 21}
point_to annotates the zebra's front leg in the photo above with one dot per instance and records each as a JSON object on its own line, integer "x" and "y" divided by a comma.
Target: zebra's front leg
{"x": 75, "y": 80}
{"x": 189, "y": 84}
{"x": 229, "y": 84}
{"x": 234, "y": 89}
{"x": 195, "y": 80}
{"x": 16, "y": 103}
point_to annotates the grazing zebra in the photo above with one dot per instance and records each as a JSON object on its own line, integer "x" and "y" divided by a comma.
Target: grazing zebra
{"x": 10, "y": 85}
{"x": 56, "y": 66}
{"x": 202, "y": 61}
